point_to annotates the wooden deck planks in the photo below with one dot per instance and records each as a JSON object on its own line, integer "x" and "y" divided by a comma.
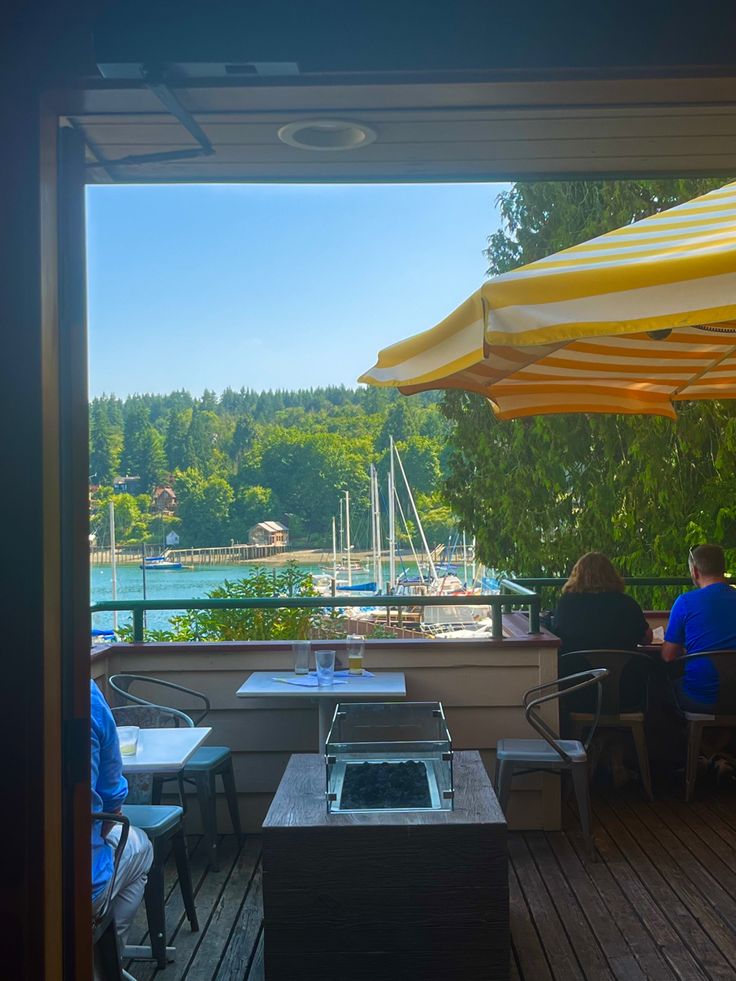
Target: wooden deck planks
{"x": 206, "y": 961}
{"x": 659, "y": 904}
{"x": 207, "y": 892}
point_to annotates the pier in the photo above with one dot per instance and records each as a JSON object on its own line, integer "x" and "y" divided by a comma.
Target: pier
{"x": 215, "y": 555}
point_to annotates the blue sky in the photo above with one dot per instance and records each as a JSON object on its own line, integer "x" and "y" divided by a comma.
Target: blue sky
{"x": 272, "y": 286}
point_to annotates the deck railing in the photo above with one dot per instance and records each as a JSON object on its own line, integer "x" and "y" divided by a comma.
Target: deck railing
{"x": 653, "y": 591}
{"x": 516, "y": 595}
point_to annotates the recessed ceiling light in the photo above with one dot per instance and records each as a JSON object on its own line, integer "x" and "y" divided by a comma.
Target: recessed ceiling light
{"x": 327, "y": 135}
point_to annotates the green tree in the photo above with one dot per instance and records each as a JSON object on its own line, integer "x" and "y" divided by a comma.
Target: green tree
{"x": 202, "y": 450}
{"x": 143, "y": 448}
{"x": 403, "y": 420}
{"x": 309, "y": 472}
{"x": 105, "y": 444}
{"x": 251, "y": 505}
{"x": 538, "y": 492}
{"x": 131, "y": 517}
{"x": 204, "y": 508}
{"x": 177, "y": 428}
{"x": 270, "y": 624}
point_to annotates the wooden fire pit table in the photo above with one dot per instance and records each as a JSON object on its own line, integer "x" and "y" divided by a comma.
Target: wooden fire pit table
{"x": 389, "y": 895}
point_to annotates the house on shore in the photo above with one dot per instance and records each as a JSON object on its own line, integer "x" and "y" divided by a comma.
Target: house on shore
{"x": 164, "y": 500}
{"x": 268, "y": 533}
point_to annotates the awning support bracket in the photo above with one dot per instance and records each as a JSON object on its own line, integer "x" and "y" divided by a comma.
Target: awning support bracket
{"x": 156, "y": 84}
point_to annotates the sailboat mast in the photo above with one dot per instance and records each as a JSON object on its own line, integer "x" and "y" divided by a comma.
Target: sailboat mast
{"x": 465, "y": 560}
{"x": 379, "y": 563}
{"x": 391, "y": 518}
{"x": 334, "y": 549}
{"x": 342, "y": 536}
{"x": 375, "y": 534}
{"x": 113, "y": 564}
{"x": 432, "y": 568}
{"x": 347, "y": 536}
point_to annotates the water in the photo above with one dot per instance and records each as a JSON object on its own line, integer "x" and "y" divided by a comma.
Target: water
{"x": 169, "y": 584}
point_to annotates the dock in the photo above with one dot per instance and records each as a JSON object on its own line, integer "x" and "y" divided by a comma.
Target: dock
{"x": 216, "y": 555}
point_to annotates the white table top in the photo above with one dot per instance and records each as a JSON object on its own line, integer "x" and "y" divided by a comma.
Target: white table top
{"x": 165, "y": 750}
{"x": 261, "y": 684}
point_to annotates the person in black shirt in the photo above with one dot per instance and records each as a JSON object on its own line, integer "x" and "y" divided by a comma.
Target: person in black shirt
{"x": 594, "y": 612}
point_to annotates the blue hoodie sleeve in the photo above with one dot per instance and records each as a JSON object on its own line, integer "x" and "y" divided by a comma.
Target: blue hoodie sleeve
{"x": 107, "y": 765}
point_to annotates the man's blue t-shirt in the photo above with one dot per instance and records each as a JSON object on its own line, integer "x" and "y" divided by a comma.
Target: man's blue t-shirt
{"x": 703, "y": 620}
{"x": 109, "y": 786}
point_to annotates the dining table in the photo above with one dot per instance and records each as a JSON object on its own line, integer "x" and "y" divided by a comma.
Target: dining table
{"x": 283, "y": 684}
{"x": 166, "y": 750}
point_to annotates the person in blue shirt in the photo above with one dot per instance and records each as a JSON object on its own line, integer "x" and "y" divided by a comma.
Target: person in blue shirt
{"x": 109, "y": 790}
{"x": 702, "y": 620}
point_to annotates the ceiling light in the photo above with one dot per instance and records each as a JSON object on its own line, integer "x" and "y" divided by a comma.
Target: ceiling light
{"x": 327, "y": 135}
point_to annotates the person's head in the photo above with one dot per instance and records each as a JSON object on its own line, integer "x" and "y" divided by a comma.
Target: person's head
{"x": 706, "y": 563}
{"x": 593, "y": 573}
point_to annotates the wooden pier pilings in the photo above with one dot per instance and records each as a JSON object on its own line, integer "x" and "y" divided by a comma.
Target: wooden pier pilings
{"x": 217, "y": 555}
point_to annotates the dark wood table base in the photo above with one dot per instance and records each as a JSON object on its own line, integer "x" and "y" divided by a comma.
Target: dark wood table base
{"x": 420, "y": 895}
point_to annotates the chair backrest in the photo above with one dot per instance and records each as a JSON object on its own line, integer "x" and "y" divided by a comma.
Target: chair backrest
{"x": 150, "y": 717}
{"x": 122, "y": 684}
{"x": 637, "y": 666}
{"x": 556, "y": 691}
{"x": 124, "y": 823}
{"x": 724, "y": 663}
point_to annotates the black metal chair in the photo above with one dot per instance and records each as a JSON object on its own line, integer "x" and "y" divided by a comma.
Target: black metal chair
{"x": 104, "y": 933}
{"x": 632, "y": 667}
{"x": 205, "y": 765}
{"x": 723, "y": 715}
{"x": 550, "y": 753}
{"x": 162, "y": 823}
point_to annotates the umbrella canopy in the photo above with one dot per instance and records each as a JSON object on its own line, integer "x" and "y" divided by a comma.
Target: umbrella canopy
{"x": 630, "y": 321}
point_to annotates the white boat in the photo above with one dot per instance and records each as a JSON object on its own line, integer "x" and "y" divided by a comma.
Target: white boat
{"x": 159, "y": 562}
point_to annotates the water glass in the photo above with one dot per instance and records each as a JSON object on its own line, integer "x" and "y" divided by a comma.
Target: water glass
{"x": 356, "y": 648}
{"x": 325, "y": 661}
{"x": 300, "y": 650}
{"x": 128, "y": 739}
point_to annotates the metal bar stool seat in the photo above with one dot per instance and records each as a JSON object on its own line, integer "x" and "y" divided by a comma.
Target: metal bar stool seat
{"x": 537, "y": 751}
{"x": 516, "y": 756}
{"x": 163, "y": 824}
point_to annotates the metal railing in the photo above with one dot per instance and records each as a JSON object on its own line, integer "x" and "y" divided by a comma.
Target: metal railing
{"x": 516, "y": 596}
{"x": 653, "y": 592}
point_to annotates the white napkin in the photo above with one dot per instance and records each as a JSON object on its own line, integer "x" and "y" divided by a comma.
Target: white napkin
{"x": 658, "y": 635}
{"x": 307, "y": 681}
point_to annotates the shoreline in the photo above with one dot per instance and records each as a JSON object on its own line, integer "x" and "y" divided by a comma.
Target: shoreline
{"x": 305, "y": 556}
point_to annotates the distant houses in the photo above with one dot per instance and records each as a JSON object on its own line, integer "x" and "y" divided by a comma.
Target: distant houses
{"x": 268, "y": 533}
{"x": 164, "y": 500}
{"x": 127, "y": 485}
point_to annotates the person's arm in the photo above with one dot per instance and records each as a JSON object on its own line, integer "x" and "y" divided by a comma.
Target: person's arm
{"x": 648, "y": 636}
{"x": 671, "y": 651}
{"x": 674, "y": 636}
{"x": 108, "y": 780}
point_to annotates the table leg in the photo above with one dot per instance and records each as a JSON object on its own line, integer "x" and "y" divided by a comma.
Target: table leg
{"x": 326, "y": 713}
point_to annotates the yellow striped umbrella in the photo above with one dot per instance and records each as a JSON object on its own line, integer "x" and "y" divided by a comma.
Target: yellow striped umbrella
{"x": 631, "y": 321}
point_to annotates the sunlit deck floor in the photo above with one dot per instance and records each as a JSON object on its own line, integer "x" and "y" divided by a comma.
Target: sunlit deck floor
{"x": 660, "y": 902}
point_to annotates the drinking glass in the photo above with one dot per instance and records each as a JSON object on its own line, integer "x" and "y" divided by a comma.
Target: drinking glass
{"x": 325, "y": 661}
{"x": 128, "y": 738}
{"x": 356, "y": 648}
{"x": 300, "y": 650}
